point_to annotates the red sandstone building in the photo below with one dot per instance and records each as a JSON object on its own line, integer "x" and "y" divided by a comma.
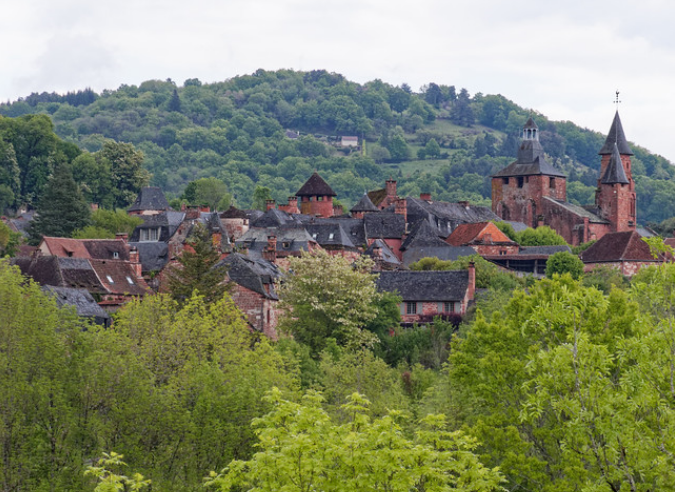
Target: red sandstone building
{"x": 485, "y": 238}
{"x": 532, "y": 191}
{"x": 316, "y": 197}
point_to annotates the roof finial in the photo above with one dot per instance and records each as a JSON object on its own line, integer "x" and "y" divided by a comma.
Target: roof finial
{"x": 616, "y": 101}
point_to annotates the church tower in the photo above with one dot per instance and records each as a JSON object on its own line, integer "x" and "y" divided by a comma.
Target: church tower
{"x": 520, "y": 189}
{"x": 615, "y": 196}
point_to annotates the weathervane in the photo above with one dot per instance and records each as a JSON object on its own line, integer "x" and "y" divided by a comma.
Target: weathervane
{"x": 616, "y": 101}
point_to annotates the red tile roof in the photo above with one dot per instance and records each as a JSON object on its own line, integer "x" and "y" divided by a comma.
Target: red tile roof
{"x": 465, "y": 234}
{"x": 65, "y": 247}
{"x": 118, "y": 277}
{"x": 618, "y": 246}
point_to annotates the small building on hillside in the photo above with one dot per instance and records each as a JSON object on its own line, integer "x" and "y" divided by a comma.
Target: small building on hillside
{"x": 426, "y": 294}
{"x": 625, "y": 251}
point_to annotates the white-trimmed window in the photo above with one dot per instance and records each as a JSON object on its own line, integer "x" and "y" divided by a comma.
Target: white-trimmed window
{"x": 410, "y": 308}
{"x": 149, "y": 234}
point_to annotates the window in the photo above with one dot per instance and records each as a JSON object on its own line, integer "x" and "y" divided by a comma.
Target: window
{"x": 331, "y": 236}
{"x": 286, "y": 245}
{"x": 131, "y": 282}
{"x": 520, "y": 182}
{"x": 149, "y": 234}
{"x": 505, "y": 181}
{"x": 410, "y": 308}
{"x": 319, "y": 198}
{"x": 446, "y": 307}
{"x": 314, "y": 236}
{"x": 110, "y": 279}
{"x": 551, "y": 183}
{"x": 116, "y": 255}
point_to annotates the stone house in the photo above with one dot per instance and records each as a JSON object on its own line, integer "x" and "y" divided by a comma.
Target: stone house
{"x": 625, "y": 251}
{"x": 484, "y": 237}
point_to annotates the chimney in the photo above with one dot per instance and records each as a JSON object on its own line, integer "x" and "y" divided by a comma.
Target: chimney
{"x": 183, "y": 207}
{"x": 135, "y": 261}
{"x": 123, "y": 236}
{"x": 390, "y": 186}
{"x": 204, "y": 208}
{"x": 401, "y": 208}
{"x": 425, "y": 196}
{"x": 471, "y": 288}
{"x": 293, "y": 205}
{"x": 270, "y": 253}
{"x": 269, "y": 204}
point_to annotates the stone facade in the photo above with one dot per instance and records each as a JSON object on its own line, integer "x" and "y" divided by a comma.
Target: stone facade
{"x": 261, "y": 312}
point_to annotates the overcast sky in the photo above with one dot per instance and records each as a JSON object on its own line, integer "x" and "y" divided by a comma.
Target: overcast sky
{"x": 563, "y": 58}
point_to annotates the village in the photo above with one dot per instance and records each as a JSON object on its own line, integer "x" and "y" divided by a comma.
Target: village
{"x": 97, "y": 276}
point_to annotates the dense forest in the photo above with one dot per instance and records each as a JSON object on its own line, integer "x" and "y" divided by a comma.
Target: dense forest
{"x": 550, "y": 385}
{"x": 269, "y": 130}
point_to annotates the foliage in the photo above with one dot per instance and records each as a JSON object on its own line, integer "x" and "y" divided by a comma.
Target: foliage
{"x": 9, "y": 241}
{"x": 127, "y": 173}
{"x": 109, "y": 481}
{"x": 207, "y": 191}
{"x": 577, "y": 250}
{"x": 488, "y": 274}
{"x": 507, "y": 229}
{"x": 541, "y": 236}
{"x": 61, "y": 209}
{"x": 196, "y": 270}
{"x": 564, "y": 262}
{"x": 605, "y": 278}
{"x": 300, "y": 448}
{"x": 117, "y": 221}
{"x": 93, "y": 232}
{"x": 426, "y": 345}
{"x": 328, "y": 297}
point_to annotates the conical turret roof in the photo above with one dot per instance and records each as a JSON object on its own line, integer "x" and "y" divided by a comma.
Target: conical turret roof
{"x": 315, "y": 186}
{"x": 364, "y": 205}
{"x": 617, "y": 136}
{"x": 615, "y": 173}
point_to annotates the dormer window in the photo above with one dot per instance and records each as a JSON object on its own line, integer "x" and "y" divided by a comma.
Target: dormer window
{"x": 130, "y": 280}
{"x": 110, "y": 279}
{"x": 314, "y": 236}
{"x": 116, "y": 255}
{"x": 331, "y": 236}
{"x": 149, "y": 234}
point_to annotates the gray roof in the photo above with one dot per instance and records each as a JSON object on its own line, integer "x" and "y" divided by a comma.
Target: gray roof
{"x": 355, "y": 228}
{"x": 61, "y": 272}
{"x": 446, "y": 216}
{"x": 80, "y": 299}
{"x": 291, "y": 239}
{"x": 274, "y": 218}
{"x": 616, "y": 136}
{"x": 448, "y": 253}
{"x": 530, "y": 124}
{"x": 254, "y": 274}
{"x": 576, "y": 209}
{"x": 364, "y": 205}
{"x": 384, "y": 225}
{"x": 315, "y": 186}
{"x": 150, "y": 198}
{"x": 153, "y": 255}
{"x": 330, "y": 234}
{"x": 386, "y": 254}
{"x": 449, "y": 285}
{"x": 517, "y": 226}
{"x": 615, "y": 173}
{"x": 423, "y": 234}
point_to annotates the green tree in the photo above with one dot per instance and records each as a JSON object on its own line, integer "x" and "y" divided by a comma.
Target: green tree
{"x": 260, "y": 196}
{"x": 541, "y": 236}
{"x": 9, "y": 241}
{"x": 564, "y": 262}
{"x": 61, "y": 209}
{"x": 432, "y": 149}
{"x": 300, "y": 448}
{"x": 398, "y": 148}
{"x": 328, "y": 297}
{"x": 208, "y": 191}
{"x": 196, "y": 270}
{"x": 115, "y": 221}
{"x": 128, "y": 175}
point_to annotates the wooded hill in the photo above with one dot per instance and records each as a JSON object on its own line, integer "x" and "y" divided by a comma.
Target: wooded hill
{"x": 439, "y": 140}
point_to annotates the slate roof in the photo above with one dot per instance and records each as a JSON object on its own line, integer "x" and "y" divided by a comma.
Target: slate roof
{"x": 447, "y": 253}
{"x": 315, "y": 186}
{"x": 275, "y": 218}
{"x": 355, "y": 228}
{"x": 384, "y": 225}
{"x": 517, "y": 226}
{"x": 423, "y": 234}
{"x": 80, "y": 299}
{"x": 234, "y": 213}
{"x": 330, "y": 234}
{"x": 254, "y": 274}
{"x": 104, "y": 249}
{"x": 364, "y": 205}
{"x": 615, "y": 173}
{"x": 444, "y": 286}
{"x": 616, "y": 136}
{"x": 386, "y": 254}
{"x": 446, "y": 216}
{"x": 153, "y": 255}
{"x": 618, "y": 246}
{"x": 150, "y": 198}
{"x": 20, "y": 224}
{"x": 61, "y": 272}
{"x": 289, "y": 240}
{"x": 530, "y": 124}
{"x": 576, "y": 209}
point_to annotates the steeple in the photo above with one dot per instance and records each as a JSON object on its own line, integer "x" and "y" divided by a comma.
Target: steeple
{"x": 616, "y": 136}
{"x": 530, "y": 130}
{"x": 615, "y": 173}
